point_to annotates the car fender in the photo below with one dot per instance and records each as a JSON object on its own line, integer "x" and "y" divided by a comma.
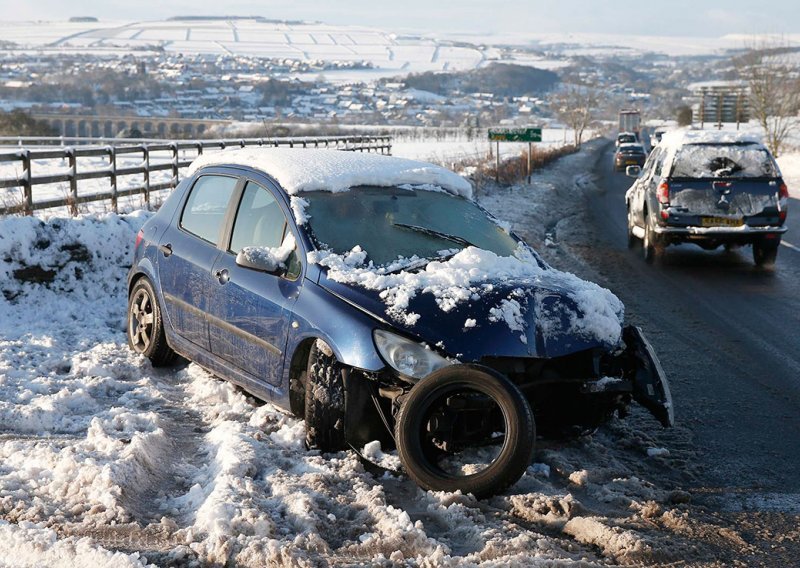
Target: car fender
{"x": 319, "y": 314}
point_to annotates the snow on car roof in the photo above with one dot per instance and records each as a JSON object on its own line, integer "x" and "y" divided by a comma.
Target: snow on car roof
{"x": 631, "y": 146}
{"x": 300, "y": 170}
{"x": 678, "y": 138}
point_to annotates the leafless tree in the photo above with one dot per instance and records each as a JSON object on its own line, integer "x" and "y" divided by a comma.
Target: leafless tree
{"x": 770, "y": 70}
{"x": 575, "y": 106}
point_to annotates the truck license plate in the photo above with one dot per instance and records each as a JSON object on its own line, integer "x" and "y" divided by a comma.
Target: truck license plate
{"x": 721, "y": 222}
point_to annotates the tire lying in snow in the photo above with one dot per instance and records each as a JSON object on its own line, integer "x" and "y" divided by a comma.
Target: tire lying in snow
{"x": 465, "y": 427}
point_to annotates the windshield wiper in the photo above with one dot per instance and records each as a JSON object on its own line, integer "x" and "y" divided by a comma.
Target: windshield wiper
{"x": 423, "y": 262}
{"x": 434, "y": 233}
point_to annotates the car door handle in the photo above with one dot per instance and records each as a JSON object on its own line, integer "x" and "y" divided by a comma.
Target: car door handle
{"x": 165, "y": 249}
{"x": 223, "y": 276}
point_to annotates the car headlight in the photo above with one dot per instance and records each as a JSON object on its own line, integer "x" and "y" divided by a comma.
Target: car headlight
{"x": 407, "y": 357}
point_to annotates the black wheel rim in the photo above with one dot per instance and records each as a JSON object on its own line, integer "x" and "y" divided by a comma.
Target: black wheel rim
{"x": 141, "y": 321}
{"x": 470, "y": 460}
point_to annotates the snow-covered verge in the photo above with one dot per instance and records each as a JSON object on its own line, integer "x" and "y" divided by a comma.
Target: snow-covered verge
{"x": 104, "y": 459}
{"x": 789, "y": 164}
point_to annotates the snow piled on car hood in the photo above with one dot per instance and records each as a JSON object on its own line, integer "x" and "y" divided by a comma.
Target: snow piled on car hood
{"x": 467, "y": 274}
{"x": 300, "y": 170}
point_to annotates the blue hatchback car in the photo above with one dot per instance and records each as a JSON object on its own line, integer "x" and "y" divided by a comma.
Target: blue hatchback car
{"x": 373, "y": 297}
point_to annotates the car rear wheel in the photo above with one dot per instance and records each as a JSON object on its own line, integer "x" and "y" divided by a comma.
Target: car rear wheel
{"x": 650, "y": 247}
{"x": 765, "y": 252}
{"x": 631, "y": 237}
{"x": 146, "y": 327}
{"x": 324, "y": 400}
{"x": 465, "y": 428}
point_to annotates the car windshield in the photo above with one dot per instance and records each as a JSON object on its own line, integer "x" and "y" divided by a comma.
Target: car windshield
{"x": 626, "y": 138}
{"x": 390, "y": 222}
{"x": 724, "y": 160}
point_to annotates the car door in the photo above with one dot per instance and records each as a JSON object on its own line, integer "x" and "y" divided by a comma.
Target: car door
{"x": 250, "y": 310}
{"x": 644, "y": 185}
{"x": 188, "y": 251}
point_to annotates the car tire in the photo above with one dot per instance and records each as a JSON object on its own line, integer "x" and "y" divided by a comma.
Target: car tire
{"x": 632, "y": 240}
{"x": 145, "y": 329}
{"x": 650, "y": 248}
{"x": 324, "y": 400}
{"x": 765, "y": 252}
{"x": 413, "y": 426}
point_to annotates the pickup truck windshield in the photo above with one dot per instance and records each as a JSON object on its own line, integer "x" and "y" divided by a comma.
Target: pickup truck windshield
{"x": 389, "y": 222}
{"x": 724, "y": 161}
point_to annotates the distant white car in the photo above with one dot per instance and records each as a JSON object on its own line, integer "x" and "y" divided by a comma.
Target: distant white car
{"x": 627, "y": 138}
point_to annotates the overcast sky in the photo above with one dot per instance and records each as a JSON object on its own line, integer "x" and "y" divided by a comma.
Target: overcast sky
{"x": 645, "y": 17}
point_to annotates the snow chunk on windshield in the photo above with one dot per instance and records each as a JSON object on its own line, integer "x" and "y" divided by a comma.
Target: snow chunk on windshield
{"x": 300, "y": 170}
{"x": 592, "y": 311}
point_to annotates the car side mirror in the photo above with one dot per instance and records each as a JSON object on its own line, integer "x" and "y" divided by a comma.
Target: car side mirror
{"x": 633, "y": 171}
{"x": 261, "y": 259}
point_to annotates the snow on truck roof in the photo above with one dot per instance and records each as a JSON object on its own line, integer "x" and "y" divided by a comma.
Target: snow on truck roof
{"x": 299, "y": 170}
{"x": 677, "y": 138}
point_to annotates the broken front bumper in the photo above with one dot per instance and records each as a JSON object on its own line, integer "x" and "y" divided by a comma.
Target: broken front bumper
{"x": 650, "y": 384}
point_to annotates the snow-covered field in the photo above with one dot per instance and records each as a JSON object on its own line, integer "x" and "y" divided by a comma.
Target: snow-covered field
{"x": 386, "y": 52}
{"x": 107, "y": 461}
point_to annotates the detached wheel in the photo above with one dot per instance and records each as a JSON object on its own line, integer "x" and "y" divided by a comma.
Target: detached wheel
{"x": 465, "y": 428}
{"x": 146, "y": 326}
{"x": 324, "y": 400}
{"x": 765, "y": 252}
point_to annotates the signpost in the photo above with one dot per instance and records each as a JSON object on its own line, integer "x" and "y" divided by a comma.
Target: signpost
{"x": 528, "y": 135}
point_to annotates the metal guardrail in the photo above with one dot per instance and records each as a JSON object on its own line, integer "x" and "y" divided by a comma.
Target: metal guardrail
{"x": 27, "y": 157}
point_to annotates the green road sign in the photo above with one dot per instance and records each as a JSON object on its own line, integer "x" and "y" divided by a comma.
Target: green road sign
{"x": 515, "y": 134}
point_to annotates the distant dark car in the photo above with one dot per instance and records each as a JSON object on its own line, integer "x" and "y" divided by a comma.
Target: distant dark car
{"x": 370, "y": 296}
{"x": 629, "y": 155}
{"x": 711, "y": 189}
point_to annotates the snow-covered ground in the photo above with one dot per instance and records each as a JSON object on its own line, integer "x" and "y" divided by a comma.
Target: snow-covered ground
{"x": 386, "y": 53}
{"x": 107, "y": 461}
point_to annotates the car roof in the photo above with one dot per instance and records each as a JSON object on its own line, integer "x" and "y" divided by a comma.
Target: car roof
{"x": 300, "y": 170}
{"x": 631, "y": 146}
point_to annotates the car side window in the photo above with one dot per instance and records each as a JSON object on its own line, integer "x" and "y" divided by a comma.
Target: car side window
{"x": 260, "y": 222}
{"x": 659, "y": 163}
{"x": 204, "y": 212}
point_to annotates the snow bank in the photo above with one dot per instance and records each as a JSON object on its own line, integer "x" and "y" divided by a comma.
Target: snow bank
{"x": 299, "y": 170}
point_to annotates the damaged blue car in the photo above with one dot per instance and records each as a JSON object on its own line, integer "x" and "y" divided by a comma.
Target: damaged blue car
{"x": 373, "y": 297}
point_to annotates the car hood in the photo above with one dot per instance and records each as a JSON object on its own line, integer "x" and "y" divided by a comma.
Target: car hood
{"x": 522, "y": 317}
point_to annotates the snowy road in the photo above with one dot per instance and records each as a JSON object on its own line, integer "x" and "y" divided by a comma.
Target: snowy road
{"x": 727, "y": 334}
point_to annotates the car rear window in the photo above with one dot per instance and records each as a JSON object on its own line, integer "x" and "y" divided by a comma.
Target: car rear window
{"x": 206, "y": 206}
{"x": 723, "y": 161}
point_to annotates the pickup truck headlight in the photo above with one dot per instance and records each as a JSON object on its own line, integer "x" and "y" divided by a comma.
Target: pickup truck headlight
{"x": 409, "y": 358}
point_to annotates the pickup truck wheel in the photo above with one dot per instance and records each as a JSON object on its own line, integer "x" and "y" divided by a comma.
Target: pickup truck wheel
{"x": 765, "y": 252}
{"x": 324, "y": 401}
{"x": 467, "y": 428}
{"x": 145, "y": 327}
{"x": 650, "y": 248}
{"x": 631, "y": 237}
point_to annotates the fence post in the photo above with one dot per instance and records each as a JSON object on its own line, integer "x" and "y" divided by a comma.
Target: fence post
{"x": 112, "y": 158}
{"x": 27, "y": 187}
{"x": 174, "y": 147}
{"x": 72, "y": 201}
{"x": 146, "y": 152}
